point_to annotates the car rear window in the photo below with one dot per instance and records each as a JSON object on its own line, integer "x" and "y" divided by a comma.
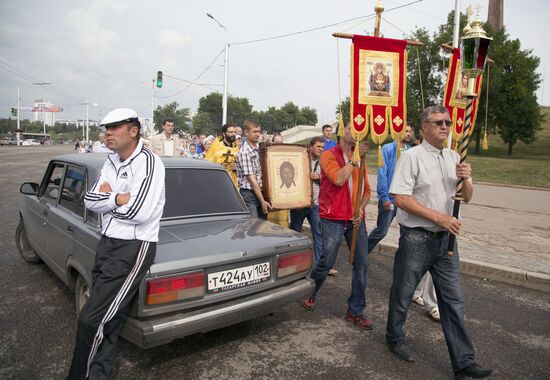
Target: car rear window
{"x": 193, "y": 192}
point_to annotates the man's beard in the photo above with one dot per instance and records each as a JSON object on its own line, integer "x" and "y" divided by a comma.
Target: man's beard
{"x": 229, "y": 139}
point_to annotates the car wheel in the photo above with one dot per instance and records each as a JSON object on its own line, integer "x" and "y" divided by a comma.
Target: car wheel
{"x": 23, "y": 246}
{"x": 81, "y": 293}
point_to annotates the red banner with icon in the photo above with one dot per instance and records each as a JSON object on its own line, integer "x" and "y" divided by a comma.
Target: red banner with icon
{"x": 378, "y": 88}
{"x": 455, "y": 100}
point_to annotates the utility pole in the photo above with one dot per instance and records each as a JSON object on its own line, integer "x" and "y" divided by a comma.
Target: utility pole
{"x": 18, "y": 117}
{"x": 152, "y": 123}
{"x": 87, "y": 119}
{"x": 456, "y": 29}
{"x": 226, "y": 63}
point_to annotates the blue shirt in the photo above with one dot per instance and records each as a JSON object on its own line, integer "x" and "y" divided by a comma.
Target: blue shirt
{"x": 328, "y": 143}
{"x": 385, "y": 173}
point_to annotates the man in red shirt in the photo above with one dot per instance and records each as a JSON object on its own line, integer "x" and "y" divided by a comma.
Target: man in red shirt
{"x": 339, "y": 177}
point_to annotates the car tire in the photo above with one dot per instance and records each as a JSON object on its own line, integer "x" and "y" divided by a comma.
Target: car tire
{"x": 23, "y": 246}
{"x": 81, "y": 293}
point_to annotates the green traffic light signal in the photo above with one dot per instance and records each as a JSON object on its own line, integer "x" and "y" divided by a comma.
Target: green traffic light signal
{"x": 14, "y": 112}
{"x": 159, "y": 79}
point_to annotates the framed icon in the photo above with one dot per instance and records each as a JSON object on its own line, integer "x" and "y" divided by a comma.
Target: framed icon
{"x": 286, "y": 176}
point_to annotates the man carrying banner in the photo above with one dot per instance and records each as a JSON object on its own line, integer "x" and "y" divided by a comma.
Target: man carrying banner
{"x": 423, "y": 187}
{"x": 224, "y": 151}
{"x": 337, "y": 195}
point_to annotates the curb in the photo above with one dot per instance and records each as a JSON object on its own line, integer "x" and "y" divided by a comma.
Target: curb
{"x": 481, "y": 269}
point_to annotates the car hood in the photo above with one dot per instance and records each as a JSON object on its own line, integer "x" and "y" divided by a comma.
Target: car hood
{"x": 189, "y": 245}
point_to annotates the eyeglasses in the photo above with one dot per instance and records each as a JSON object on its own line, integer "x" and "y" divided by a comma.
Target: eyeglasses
{"x": 440, "y": 123}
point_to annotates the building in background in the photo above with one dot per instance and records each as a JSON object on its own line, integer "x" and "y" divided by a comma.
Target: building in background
{"x": 44, "y": 112}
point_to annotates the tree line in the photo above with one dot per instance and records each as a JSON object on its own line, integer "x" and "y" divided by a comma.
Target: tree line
{"x": 208, "y": 118}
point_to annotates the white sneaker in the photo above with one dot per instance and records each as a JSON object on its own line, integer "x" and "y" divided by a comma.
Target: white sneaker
{"x": 332, "y": 272}
{"x": 434, "y": 314}
{"x": 418, "y": 300}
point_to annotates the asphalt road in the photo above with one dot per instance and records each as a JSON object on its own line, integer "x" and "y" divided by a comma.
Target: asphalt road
{"x": 510, "y": 326}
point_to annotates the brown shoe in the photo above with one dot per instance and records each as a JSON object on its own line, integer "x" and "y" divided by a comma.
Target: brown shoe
{"x": 359, "y": 321}
{"x": 308, "y": 303}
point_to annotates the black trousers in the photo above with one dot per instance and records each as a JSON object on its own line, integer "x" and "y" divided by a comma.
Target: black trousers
{"x": 119, "y": 267}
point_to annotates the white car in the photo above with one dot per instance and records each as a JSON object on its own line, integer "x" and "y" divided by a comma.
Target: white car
{"x": 30, "y": 142}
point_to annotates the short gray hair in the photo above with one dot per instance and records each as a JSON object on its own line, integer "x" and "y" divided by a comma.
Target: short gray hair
{"x": 430, "y": 111}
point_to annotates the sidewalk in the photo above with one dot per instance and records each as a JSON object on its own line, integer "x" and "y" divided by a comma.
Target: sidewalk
{"x": 505, "y": 234}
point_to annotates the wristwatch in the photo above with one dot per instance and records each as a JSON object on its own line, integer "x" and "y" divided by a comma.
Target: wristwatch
{"x": 352, "y": 163}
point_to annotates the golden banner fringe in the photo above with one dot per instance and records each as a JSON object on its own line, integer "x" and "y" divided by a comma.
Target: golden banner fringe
{"x": 484, "y": 142}
{"x": 356, "y": 156}
{"x": 380, "y": 158}
{"x": 340, "y": 125}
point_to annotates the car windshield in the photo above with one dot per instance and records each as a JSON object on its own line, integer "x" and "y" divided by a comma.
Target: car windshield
{"x": 194, "y": 192}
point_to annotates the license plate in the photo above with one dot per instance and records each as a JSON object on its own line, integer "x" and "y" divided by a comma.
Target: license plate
{"x": 238, "y": 277}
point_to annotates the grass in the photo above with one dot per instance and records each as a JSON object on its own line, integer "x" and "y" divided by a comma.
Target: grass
{"x": 528, "y": 166}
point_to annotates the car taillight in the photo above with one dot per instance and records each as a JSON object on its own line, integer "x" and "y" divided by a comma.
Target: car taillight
{"x": 295, "y": 262}
{"x": 176, "y": 288}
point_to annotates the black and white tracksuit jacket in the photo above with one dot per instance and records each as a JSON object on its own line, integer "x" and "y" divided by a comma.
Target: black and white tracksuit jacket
{"x": 141, "y": 175}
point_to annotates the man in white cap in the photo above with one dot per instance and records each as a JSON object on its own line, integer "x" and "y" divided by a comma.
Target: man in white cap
{"x": 130, "y": 195}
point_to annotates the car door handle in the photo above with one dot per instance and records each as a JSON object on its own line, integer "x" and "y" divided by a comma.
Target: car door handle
{"x": 70, "y": 229}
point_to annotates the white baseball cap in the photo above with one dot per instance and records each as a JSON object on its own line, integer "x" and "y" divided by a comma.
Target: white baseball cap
{"x": 119, "y": 115}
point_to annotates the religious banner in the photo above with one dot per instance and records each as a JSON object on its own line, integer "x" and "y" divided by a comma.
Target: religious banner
{"x": 226, "y": 156}
{"x": 378, "y": 89}
{"x": 455, "y": 100}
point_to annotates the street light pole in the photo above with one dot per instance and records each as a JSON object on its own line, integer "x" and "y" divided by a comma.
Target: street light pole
{"x": 87, "y": 119}
{"x": 226, "y": 63}
{"x": 18, "y": 117}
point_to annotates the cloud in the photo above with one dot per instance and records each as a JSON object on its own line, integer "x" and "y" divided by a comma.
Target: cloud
{"x": 96, "y": 40}
{"x": 171, "y": 39}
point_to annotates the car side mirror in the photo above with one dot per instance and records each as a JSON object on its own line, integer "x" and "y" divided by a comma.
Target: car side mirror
{"x": 29, "y": 188}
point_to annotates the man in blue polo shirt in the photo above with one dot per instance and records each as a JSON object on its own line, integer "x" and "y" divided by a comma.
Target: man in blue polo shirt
{"x": 327, "y": 137}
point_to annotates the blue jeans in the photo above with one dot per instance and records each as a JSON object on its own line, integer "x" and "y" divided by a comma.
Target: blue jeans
{"x": 312, "y": 214}
{"x": 332, "y": 232}
{"x": 253, "y": 204}
{"x": 420, "y": 251}
{"x": 383, "y": 222}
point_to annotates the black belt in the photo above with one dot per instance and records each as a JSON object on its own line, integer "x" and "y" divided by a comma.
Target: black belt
{"x": 436, "y": 234}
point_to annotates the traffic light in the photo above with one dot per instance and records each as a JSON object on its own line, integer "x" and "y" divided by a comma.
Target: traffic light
{"x": 159, "y": 79}
{"x": 14, "y": 112}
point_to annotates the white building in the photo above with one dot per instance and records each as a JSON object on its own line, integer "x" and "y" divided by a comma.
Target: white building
{"x": 43, "y": 112}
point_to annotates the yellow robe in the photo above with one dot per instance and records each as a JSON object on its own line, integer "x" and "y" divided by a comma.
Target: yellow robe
{"x": 223, "y": 155}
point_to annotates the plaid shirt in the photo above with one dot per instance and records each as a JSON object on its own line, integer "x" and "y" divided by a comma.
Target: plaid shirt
{"x": 248, "y": 162}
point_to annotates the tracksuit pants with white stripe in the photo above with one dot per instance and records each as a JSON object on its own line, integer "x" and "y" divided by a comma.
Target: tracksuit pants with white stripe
{"x": 118, "y": 270}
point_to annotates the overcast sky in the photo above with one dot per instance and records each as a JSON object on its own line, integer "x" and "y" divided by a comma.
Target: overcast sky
{"x": 108, "y": 51}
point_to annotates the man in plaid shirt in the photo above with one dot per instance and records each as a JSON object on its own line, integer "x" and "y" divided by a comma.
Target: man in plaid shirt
{"x": 249, "y": 172}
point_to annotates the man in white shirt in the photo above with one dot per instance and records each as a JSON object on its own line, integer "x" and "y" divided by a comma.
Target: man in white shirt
{"x": 99, "y": 146}
{"x": 166, "y": 143}
{"x": 423, "y": 185}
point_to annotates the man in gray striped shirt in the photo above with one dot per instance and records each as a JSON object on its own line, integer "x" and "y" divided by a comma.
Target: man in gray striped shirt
{"x": 249, "y": 172}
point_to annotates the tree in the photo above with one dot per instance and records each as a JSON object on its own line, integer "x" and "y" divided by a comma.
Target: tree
{"x": 307, "y": 116}
{"x": 238, "y": 109}
{"x": 424, "y": 64}
{"x": 345, "y": 110}
{"x": 513, "y": 107}
{"x": 181, "y": 117}
{"x": 211, "y": 113}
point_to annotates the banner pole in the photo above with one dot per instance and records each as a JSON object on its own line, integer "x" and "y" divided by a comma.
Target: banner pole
{"x": 378, "y": 8}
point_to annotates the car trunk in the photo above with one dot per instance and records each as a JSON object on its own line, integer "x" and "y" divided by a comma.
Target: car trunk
{"x": 218, "y": 245}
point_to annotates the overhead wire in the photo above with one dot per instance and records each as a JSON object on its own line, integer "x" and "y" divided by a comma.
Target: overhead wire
{"x": 193, "y": 82}
{"x": 322, "y": 27}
